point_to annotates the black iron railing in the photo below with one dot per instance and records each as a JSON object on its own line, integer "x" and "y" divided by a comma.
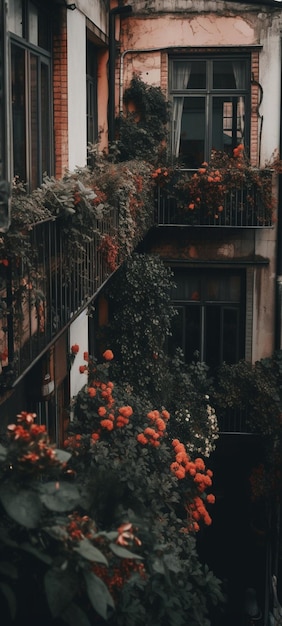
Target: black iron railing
{"x": 39, "y": 297}
{"x": 243, "y": 206}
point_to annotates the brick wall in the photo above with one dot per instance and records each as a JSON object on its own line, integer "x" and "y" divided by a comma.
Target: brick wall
{"x": 60, "y": 92}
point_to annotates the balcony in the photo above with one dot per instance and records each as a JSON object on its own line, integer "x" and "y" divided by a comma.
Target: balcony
{"x": 225, "y": 200}
{"x": 39, "y": 297}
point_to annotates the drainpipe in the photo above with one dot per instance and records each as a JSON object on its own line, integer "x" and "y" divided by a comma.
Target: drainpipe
{"x": 121, "y": 11}
{"x": 5, "y": 187}
{"x": 278, "y": 325}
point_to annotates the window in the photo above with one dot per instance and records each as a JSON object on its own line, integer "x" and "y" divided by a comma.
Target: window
{"x": 210, "y": 318}
{"x": 210, "y": 106}
{"x": 91, "y": 93}
{"x": 30, "y": 41}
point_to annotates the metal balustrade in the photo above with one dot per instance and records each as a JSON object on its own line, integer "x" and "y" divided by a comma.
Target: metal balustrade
{"x": 242, "y": 207}
{"x": 41, "y": 296}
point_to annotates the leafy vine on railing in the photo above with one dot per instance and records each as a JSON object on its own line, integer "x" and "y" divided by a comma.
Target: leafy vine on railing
{"x": 212, "y": 190}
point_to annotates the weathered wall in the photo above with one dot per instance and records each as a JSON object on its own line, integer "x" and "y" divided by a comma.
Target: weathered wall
{"x": 155, "y": 30}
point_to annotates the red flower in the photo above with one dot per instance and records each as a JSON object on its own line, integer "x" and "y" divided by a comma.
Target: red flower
{"x": 108, "y": 355}
{"x": 82, "y": 369}
{"x": 75, "y": 348}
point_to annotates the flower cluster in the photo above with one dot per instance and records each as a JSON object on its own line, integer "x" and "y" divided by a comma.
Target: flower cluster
{"x": 30, "y": 448}
{"x": 106, "y": 418}
{"x": 109, "y": 250}
{"x": 183, "y": 467}
{"x": 200, "y": 434}
{"x": 117, "y": 576}
{"x": 152, "y": 434}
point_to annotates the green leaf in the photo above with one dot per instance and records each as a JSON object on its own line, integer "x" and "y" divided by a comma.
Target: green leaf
{"x": 123, "y": 553}
{"x": 60, "y": 587}
{"x": 99, "y": 595}
{"x": 158, "y": 566}
{"x": 74, "y": 616}
{"x": 27, "y": 547}
{"x": 59, "y": 496}
{"x": 89, "y": 552}
{"x": 10, "y": 597}
{"x": 23, "y": 506}
{"x": 62, "y": 455}
{"x": 9, "y": 569}
{"x": 3, "y": 453}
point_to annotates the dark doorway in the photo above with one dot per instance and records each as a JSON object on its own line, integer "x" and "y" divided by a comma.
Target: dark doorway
{"x": 234, "y": 545}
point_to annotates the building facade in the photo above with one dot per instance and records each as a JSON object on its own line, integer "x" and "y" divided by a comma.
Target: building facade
{"x": 54, "y": 100}
{"x": 64, "y": 69}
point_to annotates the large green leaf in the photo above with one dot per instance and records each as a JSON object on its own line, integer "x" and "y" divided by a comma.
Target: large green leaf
{"x": 59, "y": 496}
{"x": 42, "y": 556}
{"x": 74, "y": 616}
{"x": 10, "y": 597}
{"x": 123, "y": 553}
{"x": 23, "y": 506}
{"x": 89, "y": 552}
{"x": 99, "y": 595}
{"x": 60, "y": 587}
{"x": 3, "y": 453}
{"x": 62, "y": 455}
{"x": 9, "y": 570}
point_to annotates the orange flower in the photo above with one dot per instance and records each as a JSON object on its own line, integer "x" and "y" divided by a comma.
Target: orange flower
{"x": 142, "y": 439}
{"x": 126, "y": 411}
{"x": 91, "y": 392}
{"x": 180, "y": 472}
{"x": 199, "y": 463}
{"x": 210, "y": 498}
{"x": 165, "y": 414}
{"x": 75, "y": 348}
{"x": 101, "y": 411}
{"x": 95, "y": 436}
{"x": 85, "y": 356}
{"x": 108, "y": 424}
{"x": 108, "y": 355}
{"x": 82, "y": 368}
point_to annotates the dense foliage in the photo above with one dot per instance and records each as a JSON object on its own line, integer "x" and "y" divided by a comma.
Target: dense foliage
{"x": 140, "y": 299}
{"x": 104, "y": 533}
{"x": 137, "y": 472}
{"x": 142, "y": 130}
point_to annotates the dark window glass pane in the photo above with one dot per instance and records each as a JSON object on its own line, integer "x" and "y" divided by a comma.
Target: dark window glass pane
{"x": 230, "y": 352}
{"x": 188, "y": 286}
{"x": 229, "y": 74}
{"x": 197, "y": 78}
{"x": 213, "y": 342}
{"x": 15, "y": 17}
{"x": 222, "y": 288}
{"x": 192, "y": 332}
{"x": 34, "y": 120}
{"x": 192, "y": 135}
{"x": 91, "y": 93}
{"x": 211, "y": 325}
{"x": 33, "y": 24}
{"x": 38, "y": 22}
{"x": 19, "y": 111}
{"x": 189, "y": 75}
{"x": 45, "y": 121}
{"x": 228, "y": 119}
{"x": 44, "y": 39}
